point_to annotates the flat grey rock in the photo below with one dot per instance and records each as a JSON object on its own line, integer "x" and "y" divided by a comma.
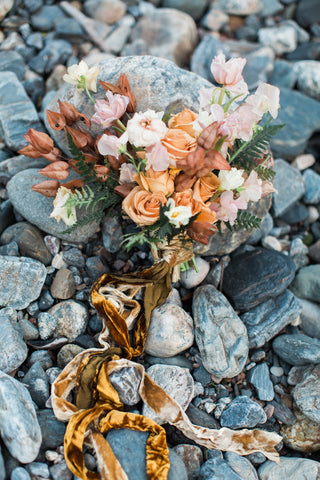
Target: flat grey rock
{"x": 19, "y": 427}
{"x": 37, "y": 208}
{"x": 290, "y": 468}
{"x": 242, "y": 412}
{"x": 306, "y": 394}
{"x": 21, "y": 281}
{"x": 13, "y": 350}
{"x": 220, "y": 334}
{"x": 290, "y": 187}
{"x": 260, "y": 378}
{"x": 297, "y": 349}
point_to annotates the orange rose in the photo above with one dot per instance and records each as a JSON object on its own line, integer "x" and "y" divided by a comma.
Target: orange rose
{"x": 205, "y": 187}
{"x": 183, "y": 120}
{"x": 206, "y": 215}
{"x": 143, "y": 207}
{"x": 185, "y": 199}
{"x": 178, "y": 143}
{"x": 155, "y": 182}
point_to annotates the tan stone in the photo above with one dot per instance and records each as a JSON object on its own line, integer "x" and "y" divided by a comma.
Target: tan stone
{"x": 303, "y": 436}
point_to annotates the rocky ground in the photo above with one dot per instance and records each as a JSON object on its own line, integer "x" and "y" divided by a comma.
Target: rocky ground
{"x": 260, "y": 366}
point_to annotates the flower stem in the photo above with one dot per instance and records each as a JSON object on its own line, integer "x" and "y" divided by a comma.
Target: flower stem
{"x": 123, "y": 128}
{"x": 221, "y": 95}
{"x": 195, "y": 264}
{"x": 88, "y": 93}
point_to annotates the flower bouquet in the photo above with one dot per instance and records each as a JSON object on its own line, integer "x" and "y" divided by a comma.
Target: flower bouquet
{"x": 178, "y": 177}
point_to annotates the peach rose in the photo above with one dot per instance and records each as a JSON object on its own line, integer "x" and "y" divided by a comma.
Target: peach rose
{"x": 183, "y": 121}
{"x": 206, "y": 215}
{"x": 156, "y": 182}
{"x": 205, "y": 187}
{"x": 178, "y": 143}
{"x": 143, "y": 207}
{"x": 185, "y": 199}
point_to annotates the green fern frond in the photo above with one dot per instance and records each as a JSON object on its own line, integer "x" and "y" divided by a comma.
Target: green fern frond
{"x": 246, "y": 220}
{"x": 86, "y": 170}
{"x": 265, "y": 173}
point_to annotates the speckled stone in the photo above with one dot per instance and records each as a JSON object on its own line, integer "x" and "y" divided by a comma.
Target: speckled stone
{"x": 306, "y": 394}
{"x": 72, "y": 318}
{"x": 290, "y": 468}
{"x": 303, "y": 435}
{"x": 242, "y": 412}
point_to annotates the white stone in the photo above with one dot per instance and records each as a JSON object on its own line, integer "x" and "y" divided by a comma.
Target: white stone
{"x": 190, "y": 278}
{"x": 58, "y": 262}
{"x": 271, "y": 242}
{"x": 282, "y": 38}
{"x": 277, "y": 371}
{"x": 308, "y": 77}
{"x": 5, "y": 7}
{"x": 313, "y": 214}
{"x": 301, "y": 162}
{"x": 290, "y": 468}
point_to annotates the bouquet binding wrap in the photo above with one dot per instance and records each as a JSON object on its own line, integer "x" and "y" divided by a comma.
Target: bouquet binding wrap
{"x": 83, "y": 394}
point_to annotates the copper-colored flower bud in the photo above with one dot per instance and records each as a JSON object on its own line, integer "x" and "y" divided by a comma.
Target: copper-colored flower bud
{"x": 214, "y": 161}
{"x": 183, "y": 182}
{"x": 192, "y": 162}
{"x": 208, "y": 136}
{"x": 58, "y": 170}
{"x": 48, "y": 188}
{"x": 73, "y": 184}
{"x": 125, "y": 189}
{"x": 29, "y": 151}
{"x": 201, "y": 231}
{"x": 102, "y": 172}
{"x": 109, "y": 86}
{"x": 79, "y": 139}
{"x": 124, "y": 87}
{"x": 56, "y": 120}
{"x": 39, "y": 140}
{"x": 90, "y": 138}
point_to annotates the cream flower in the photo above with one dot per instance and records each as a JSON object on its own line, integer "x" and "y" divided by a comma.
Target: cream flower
{"x": 61, "y": 211}
{"x": 112, "y": 145}
{"x": 146, "y": 129}
{"x": 266, "y": 99}
{"x": 178, "y": 215}
{"x": 77, "y": 74}
{"x": 231, "y": 179}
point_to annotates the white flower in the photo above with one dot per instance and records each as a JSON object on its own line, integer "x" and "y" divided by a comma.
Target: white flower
{"x": 112, "y": 145}
{"x": 178, "y": 215}
{"x": 60, "y": 211}
{"x": 204, "y": 120}
{"x": 76, "y": 74}
{"x": 231, "y": 179}
{"x": 266, "y": 99}
{"x": 146, "y": 129}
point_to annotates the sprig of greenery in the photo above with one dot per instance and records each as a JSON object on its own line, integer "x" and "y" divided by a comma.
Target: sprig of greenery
{"x": 244, "y": 220}
{"x": 86, "y": 169}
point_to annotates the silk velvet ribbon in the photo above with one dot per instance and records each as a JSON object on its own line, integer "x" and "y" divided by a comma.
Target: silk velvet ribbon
{"x": 96, "y": 407}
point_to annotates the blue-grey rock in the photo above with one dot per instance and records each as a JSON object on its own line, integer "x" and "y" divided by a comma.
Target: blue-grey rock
{"x": 45, "y": 301}
{"x": 111, "y": 234}
{"x": 308, "y": 12}
{"x": 204, "y": 54}
{"x": 126, "y": 381}
{"x": 60, "y": 471}
{"x": 2, "y": 467}
{"x": 312, "y": 180}
{"x": 297, "y": 213}
{"x": 293, "y": 138}
{"x": 29, "y": 240}
{"x": 35, "y": 40}
{"x": 16, "y": 164}
{"x": 216, "y": 468}
{"x": 239, "y": 7}
{"x": 21, "y": 281}
{"x": 71, "y": 318}
{"x": 20, "y": 473}
{"x": 45, "y": 19}
{"x": 38, "y": 469}
{"x": 290, "y": 468}
{"x": 6, "y": 215}
{"x": 310, "y": 315}
{"x": 11, "y": 61}
{"x": 194, "y": 9}
{"x": 253, "y": 277}
{"x": 95, "y": 266}
{"x": 54, "y": 53}
{"x": 241, "y": 465}
{"x": 38, "y": 384}
{"x": 270, "y": 8}
{"x": 33, "y": 5}
{"x": 259, "y": 376}
{"x": 266, "y": 320}
{"x": 242, "y": 412}
{"x": 41, "y": 356}
{"x": 258, "y": 67}
{"x": 306, "y": 51}
{"x": 52, "y": 430}
{"x": 129, "y": 446}
{"x": 220, "y": 334}
{"x": 283, "y": 75}
{"x": 36, "y": 208}
{"x": 74, "y": 257}
{"x": 199, "y": 417}
{"x": 290, "y": 187}
{"x": 30, "y": 331}
{"x": 282, "y": 413}
{"x": 178, "y": 360}
{"x": 306, "y": 394}
{"x": 13, "y": 350}
{"x": 69, "y": 29}
{"x": 19, "y": 427}
{"x": 261, "y": 232}
{"x": 297, "y": 349}
{"x": 17, "y": 112}
{"x": 192, "y": 457}
{"x": 307, "y": 283}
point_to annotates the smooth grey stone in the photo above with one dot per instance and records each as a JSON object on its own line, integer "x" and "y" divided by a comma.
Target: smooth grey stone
{"x": 63, "y": 285}
{"x": 71, "y": 318}
{"x": 37, "y": 208}
{"x": 45, "y": 19}
{"x": 297, "y": 349}
{"x": 74, "y": 257}
{"x": 16, "y": 164}
{"x": 220, "y": 334}
{"x": 2, "y": 467}
{"x": 19, "y": 427}
{"x": 282, "y": 413}
{"x": 69, "y": 29}
{"x": 266, "y": 320}
{"x": 292, "y": 140}
{"x": 242, "y": 412}
{"x": 204, "y": 53}
{"x": 255, "y": 276}
{"x": 45, "y": 301}
{"x": 194, "y": 9}
{"x": 239, "y": 7}
{"x": 306, "y": 51}
{"x": 297, "y": 213}
{"x": 299, "y": 253}
{"x": 38, "y": 469}
{"x": 129, "y": 446}
{"x": 178, "y": 360}
{"x": 283, "y": 75}
{"x": 307, "y": 283}
{"x": 11, "y": 61}
{"x": 41, "y": 356}
{"x": 30, "y": 331}
{"x": 111, "y": 234}
{"x": 290, "y": 468}
{"x": 216, "y": 469}
{"x": 259, "y": 233}
{"x": 67, "y": 353}
{"x": 258, "y": 67}
{"x": 199, "y": 417}
{"x": 54, "y": 53}
{"x": 35, "y": 40}
{"x": 60, "y": 471}
{"x": 270, "y": 8}
{"x": 95, "y": 266}
{"x": 33, "y": 5}
{"x": 192, "y": 457}
{"x": 21, "y": 281}
{"x": 29, "y": 240}
{"x": 259, "y": 376}
{"x": 35, "y": 88}
{"x": 290, "y": 187}
{"x": 52, "y": 430}
{"x": 308, "y": 77}
{"x": 256, "y": 458}
{"x": 308, "y": 11}
{"x": 17, "y": 112}
{"x": 37, "y": 381}
{"x": 201, "y": 375}
{"x": 168, "y": 85}
{"x": 20, "y": 473}
{"x": 310, "y": 316}
{"x": 241, "y": 465}
{"x": 312, "y": 180}
{"x": 13, "y": 350}
{"x": 126, "y": 381}
{"x": 314, "y": 252}
{"x": 227, "y": 242}
{"x": 306, "y": 394}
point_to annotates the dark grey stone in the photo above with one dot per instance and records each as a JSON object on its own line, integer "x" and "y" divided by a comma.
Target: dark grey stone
{"x": 17, "y": 112}
{"x": 241, "y": 465}
{"x": 310, "y": 318}
{"x": 74, "y": 257}
{"x": 37, "y": 381}
{"x": 199, "y": 417}
{"x": 60, "y": 471}
{"x": 297, "y": 349}
{"x": 69, "y": 29}
{"x": 204, "y": 54}
{"x": 111, "y": 234}
{"x": 52, "y": 430}
{"x": 11, "y": 61}
{"x": 35, "y": 88}
{"x": 266, "y": 320}
{"x": 41, "y": 356}
{"x": 35, "y": 40}
{"x": 283, "y": 75}
{"x": 305, "y": 51}
{"x": 10, "y": 249}
{"x": 220, "y": 334}
{"x": 293, "y": 138}
{"x": 33, "y": 5}
{"x": 45, "y": 301}
{"x": 307, "y": 283}
{"x": 178, "y": 360}
{"x": 312, "y": 180}
{"x": 95, "y": 266}
{"x": 308, "y": 11}
{"x": 45, "y": 19}
{"x": 54, "y": 53}
{"x": 216, "y": 469}
{"x": 282, "y": 413}
{"x": 242, "y": 412}
{"x": 297, "y": 213}
{"x": 6, "y": 215}
{"x": 259, "y": 65}
{"x": 253, "y": 277}
{"x": 259, "y": 376}
{"x": 16, "y": 164}
{"x": 290, "y": 187}
{"x": 194, "y": 9}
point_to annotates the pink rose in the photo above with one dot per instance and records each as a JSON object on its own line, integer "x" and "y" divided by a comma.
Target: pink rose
{"x": 109, "y": 111}
{"x": 227, "y": 73}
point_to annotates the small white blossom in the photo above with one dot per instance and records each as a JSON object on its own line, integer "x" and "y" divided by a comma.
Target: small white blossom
{"x": 76, "y": 74}
{"x": 60, "y": 211}
{"x": 178, "y": 215}
{"x": 231, "y": 179}
{"x": 146, "y": 129}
